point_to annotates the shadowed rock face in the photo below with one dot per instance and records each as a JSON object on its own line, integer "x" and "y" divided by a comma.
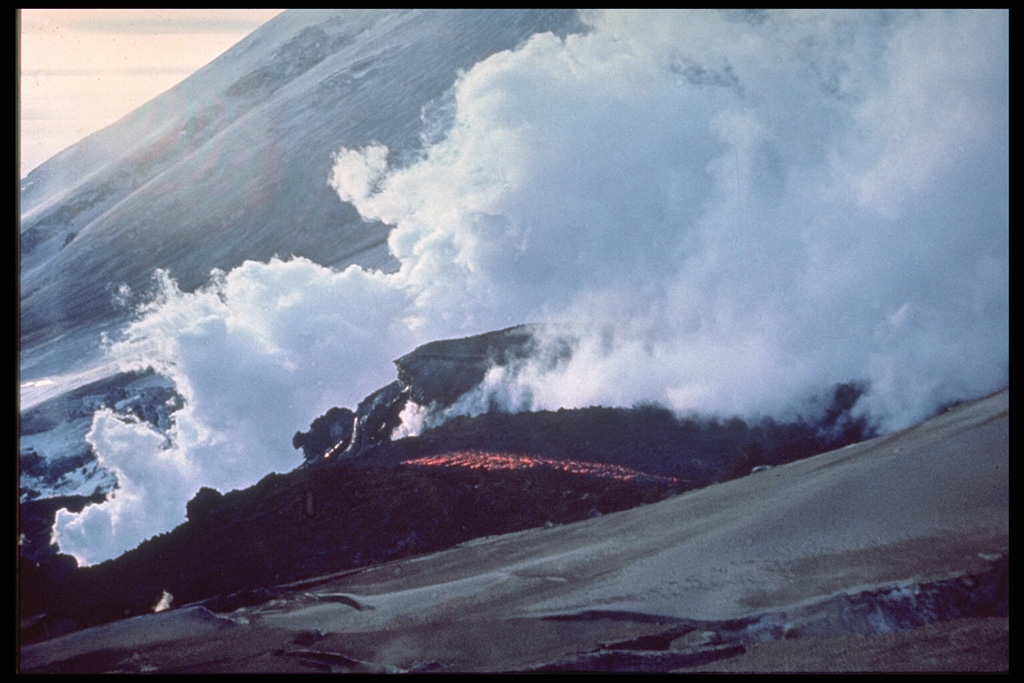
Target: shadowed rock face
{"x": 332, "y": 430}
{"x": 435, "y": 375}
{"x": 442, "y": 371}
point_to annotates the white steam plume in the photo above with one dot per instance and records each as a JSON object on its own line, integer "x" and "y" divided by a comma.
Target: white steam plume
{"x": 255, "y": 354}
{"x": 743, "y": 208}
{"x": 731, "y": 211}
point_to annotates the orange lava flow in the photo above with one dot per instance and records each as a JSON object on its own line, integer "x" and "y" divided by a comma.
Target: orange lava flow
{"x": 485, "y": 460}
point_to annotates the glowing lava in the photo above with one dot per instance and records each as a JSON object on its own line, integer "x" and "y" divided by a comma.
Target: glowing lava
{"x": 485, "y": 460}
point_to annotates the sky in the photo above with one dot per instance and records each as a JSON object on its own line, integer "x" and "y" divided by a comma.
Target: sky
{"x": 82, "y": 70}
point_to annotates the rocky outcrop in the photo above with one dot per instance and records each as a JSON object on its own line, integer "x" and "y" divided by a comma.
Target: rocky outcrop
{"x": 376, "y": 418}
{"x": 332, "y": 430}
{"x": 437, "y": 375}
{"x": 204, "y": 503}
{"x": 434, "y": 375}
{"x": 56, "y": 460}
{"x": 440, "y": 372}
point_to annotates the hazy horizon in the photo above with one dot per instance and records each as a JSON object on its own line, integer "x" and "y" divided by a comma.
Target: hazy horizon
{"x": 82, "y": 70}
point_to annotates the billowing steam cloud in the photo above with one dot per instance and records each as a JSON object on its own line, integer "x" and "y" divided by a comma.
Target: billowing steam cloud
{"x": 741, "y": 208}
{"x": 730, "y": 211}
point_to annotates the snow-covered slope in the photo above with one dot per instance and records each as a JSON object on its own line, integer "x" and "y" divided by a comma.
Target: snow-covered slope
{"x": 56, "y": 457}
{"x": 232, "y": 164}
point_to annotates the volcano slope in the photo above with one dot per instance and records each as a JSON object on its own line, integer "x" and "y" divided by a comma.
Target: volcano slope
{"x": 889, "y": 555}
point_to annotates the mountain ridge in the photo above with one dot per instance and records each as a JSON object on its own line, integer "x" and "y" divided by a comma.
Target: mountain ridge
{"x": 109, "y": 192}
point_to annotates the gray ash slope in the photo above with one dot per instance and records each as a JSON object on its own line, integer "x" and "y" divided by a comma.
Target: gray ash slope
{"x": 890, "y": 555}
{"x": 379, "y": 499}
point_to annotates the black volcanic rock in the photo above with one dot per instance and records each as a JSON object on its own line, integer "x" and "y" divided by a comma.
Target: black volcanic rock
{"x": 348, "y": 514}
{"x": 434, "y": 375}
{"x": 650, "y": 438}
{"x": 497, "y": 473}
{"x": 442, "y": 371}
{"x": 35, "y": 519}
{"x": 44, "y": 575}
{"x": 377, "y": 416}
{"x": 203, "y": 503}
{"x": 333, "y": 429}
